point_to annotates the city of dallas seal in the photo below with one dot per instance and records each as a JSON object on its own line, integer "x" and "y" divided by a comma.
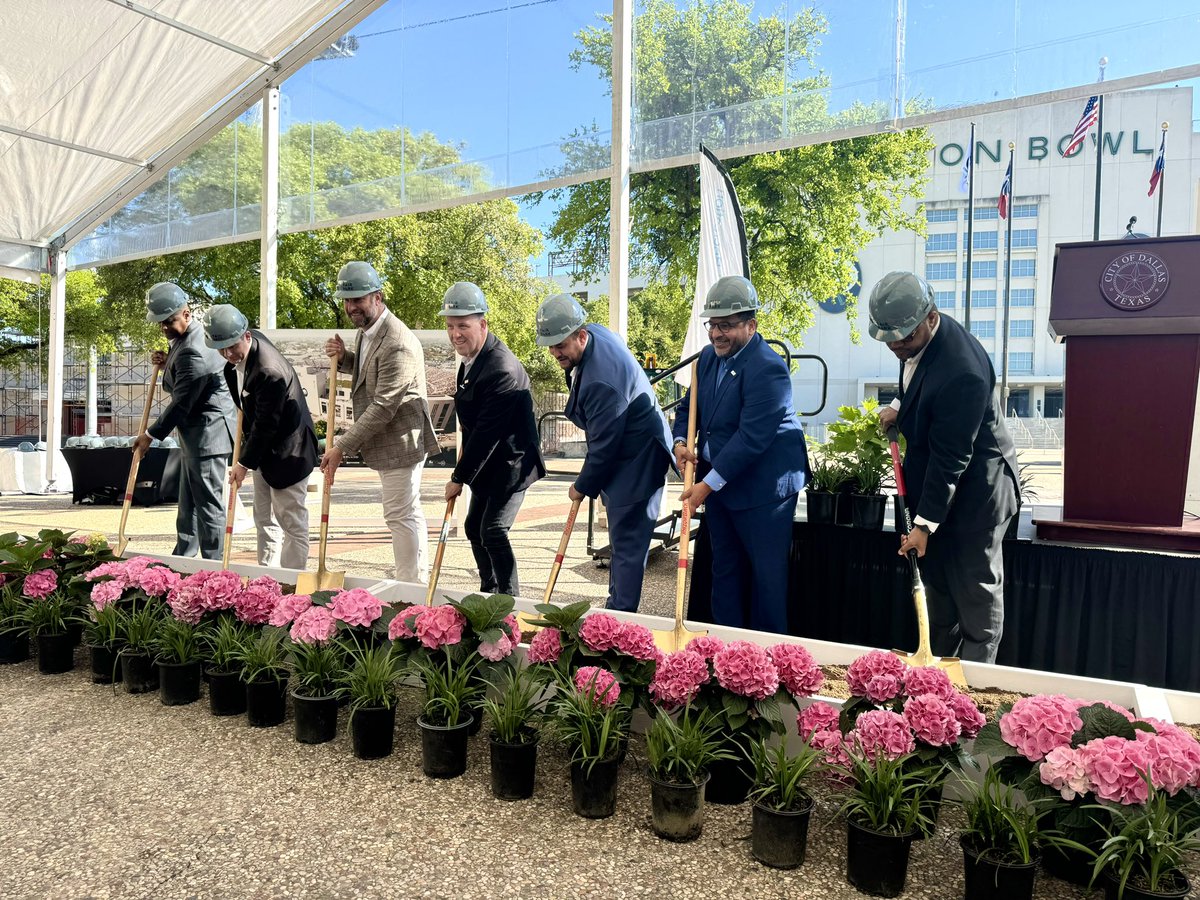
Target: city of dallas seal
{"x": 1135, "y": 280}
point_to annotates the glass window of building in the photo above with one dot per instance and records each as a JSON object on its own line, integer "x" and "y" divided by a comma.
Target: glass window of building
{"x": 1025, "y": 211}
{"x": 983, "y": 329}
{"x": 941, "y": 215}
{"x": 941, "y": 271}
{"x": 985, "y": 240}
{"x": 1021, "y": 297}
{"x": 984, "y": 269}
{"x": 1020, "y": 362}
{"x": 1024, "y": 237}
{"x": 1023, "y": 268}
{"x": 1022, "y": 328}
{"x": 983, "y": 299}
{"x": 946, "y": 240}
{"x": 986, "y": 211}
{"x": 944, "y": 299}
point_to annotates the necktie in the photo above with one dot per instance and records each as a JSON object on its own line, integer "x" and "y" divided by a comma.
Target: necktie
{"x": 722, "y": 368}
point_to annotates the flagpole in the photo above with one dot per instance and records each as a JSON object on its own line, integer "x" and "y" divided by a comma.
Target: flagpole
{"x": 970, "y": 228}
{"x": 1162, "y": 177}
{"x": 1099, "y": 153}
{"x": 1012, "y": 195}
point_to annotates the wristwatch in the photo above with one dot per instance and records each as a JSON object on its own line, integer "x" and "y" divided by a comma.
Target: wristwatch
{"x": 921, "y": 526}
{"x": 679, "y": 442}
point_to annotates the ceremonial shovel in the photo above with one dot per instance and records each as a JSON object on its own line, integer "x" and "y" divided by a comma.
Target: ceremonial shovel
{"x": 122, "y": 541}
{"x": 441, "y": 551}
{"x": 324, "y": 580}
{"x": 527, "y": 619}
{"x": 679, "y": 637}
{"x": 230, "y": 508}
{"x": 924, "y": 656}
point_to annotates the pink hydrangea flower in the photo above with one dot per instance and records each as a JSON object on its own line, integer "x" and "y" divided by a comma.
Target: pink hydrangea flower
{"x": 932, "y": 720}
{"x": 104, "y": 570}
{"x": 833, "y": 747}
{"x": 1186, "y": 745}
{"x": 928, "y": 680}
{"x": 185, "y": 605}
{"x": 798, "y": 671}
{"x": 637, "y": 641}
{"x": 882, "y": 688}
{"x": 871, "y": 665}
{"x": 404, "y": 623}
{"x": 706, "y": 646}
{"x": 1080, "y": 704}
{"x": 1063, "y": 770}
{"x": 157, "y": 581}
{"x": 546, "y": 646}
{"x": 746, "y": 669}
{"x": 970, "y": 719}
{"x": 356, "y": 607}
{"x": 1172, "y": 764}
{"x": 255, "y": 603}
{"x": 1114, "y": 767}
{"x": 882, "y": 731}
{"x": 440, "y": 626}
{"x": 599, "y": 684}
{"x": 600, "y": 632}
{"x": 314, "y": 626}
{"x": 1036, "y": 725}
{"x": 819, "y": 716}
{"x": 106, "y": 592}
{"x": 40, "y": 584}
{"x": 496, "y": 650}
{"x": 218, "y": 590}
{"x": 288, "y": 609}
{"x": 678, "y": 677}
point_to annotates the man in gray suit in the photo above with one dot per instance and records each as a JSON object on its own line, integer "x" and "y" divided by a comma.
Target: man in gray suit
{"x": 392, "y": 429}
{"x": 201, "y": 411}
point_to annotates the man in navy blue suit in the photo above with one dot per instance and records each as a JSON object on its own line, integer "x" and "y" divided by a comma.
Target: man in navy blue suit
{"x": 628, "y": 441}
{"x": 752, "y": 461}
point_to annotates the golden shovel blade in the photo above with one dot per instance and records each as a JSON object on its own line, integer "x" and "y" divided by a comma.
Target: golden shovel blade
{"x": 321, "y": 580}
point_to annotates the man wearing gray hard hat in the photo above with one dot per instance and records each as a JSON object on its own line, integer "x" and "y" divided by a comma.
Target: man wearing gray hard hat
{"x": 280, "y": 443}
{"x": 628, "y": 442}
{"x": 499, "y": 457}
{"x": 751, "y": 460}
{"x": 201, "y": 411}
{"x": 392, "y": 430}
{"x": 960, "y": 469}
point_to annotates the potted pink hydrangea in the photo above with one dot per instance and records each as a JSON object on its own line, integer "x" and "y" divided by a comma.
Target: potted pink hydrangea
{"x": 119, "y": 589}
{"x": 591, "y": 717}
{"x": 317, "y": 658}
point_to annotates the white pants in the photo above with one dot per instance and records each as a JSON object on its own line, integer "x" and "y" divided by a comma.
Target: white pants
{"x": 405, "y": 519}
{"x": 282, "y": 522}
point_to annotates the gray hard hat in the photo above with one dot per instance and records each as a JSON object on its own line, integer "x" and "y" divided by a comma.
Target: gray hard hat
{"x": 899, "y": 303}
{"x": 558, "y": 318}
{"x": 224, "y": 326}
{"x": 357, "y": 279}
{"x": 163, "y": 300}
{"x": 463, "y": 299}
{"x": 731, "y": 294}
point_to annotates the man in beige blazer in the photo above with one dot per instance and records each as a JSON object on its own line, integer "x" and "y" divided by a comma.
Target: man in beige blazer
{"x": 392, "y": 430}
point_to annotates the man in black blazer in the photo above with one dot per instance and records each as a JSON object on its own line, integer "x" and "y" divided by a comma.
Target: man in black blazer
{"x": 280, "y": 444}
{"x": 499, "y": 457}
{"x": 959, "y": 466}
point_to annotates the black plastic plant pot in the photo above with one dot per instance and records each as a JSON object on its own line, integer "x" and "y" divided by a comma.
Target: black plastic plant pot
{"x": 178, "y": 683}
{"x": 1180, "y": 889}
{"x": 14, "y": 647}
{"x": 226, "y": 693}
{"x": 876, "y": 864}
{"x": 266, "y": 702}
{"x": 677, "y": 810}
{"x": 513, "y": 767}
{"x": 991, "y": 879}
{"x": 138, "y": 672}
{"x": 779, "y": 839}
{"x": 372, "y": 731}
{"x": 75, "y": 630}
{"x": 729, "y": 782}
{"x": 444, "y": 748}
{"x": 594, "y": 788}
{"x": 106, "y": 666}
{"x": 822, "y": 507}
{"x": 315, "y": 718}
{"x": 867, "y": 511}
{"x": 56, "y": 653}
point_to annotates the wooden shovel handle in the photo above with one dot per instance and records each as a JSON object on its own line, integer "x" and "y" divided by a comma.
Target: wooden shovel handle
{"x": 131, "y": 482}
{"x": 562, "y": 549}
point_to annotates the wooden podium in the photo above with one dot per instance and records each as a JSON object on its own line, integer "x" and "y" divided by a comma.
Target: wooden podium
{"x": 1129, "y": 311}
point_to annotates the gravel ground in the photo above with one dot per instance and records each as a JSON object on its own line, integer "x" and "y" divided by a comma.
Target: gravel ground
{"x": 111, "y": 795}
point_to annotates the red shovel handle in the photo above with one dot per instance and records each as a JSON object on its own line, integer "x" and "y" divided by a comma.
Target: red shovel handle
{"x": 898, "y": 472}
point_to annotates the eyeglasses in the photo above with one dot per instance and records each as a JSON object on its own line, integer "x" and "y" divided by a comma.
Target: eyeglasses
{"x": 723, "y": 327}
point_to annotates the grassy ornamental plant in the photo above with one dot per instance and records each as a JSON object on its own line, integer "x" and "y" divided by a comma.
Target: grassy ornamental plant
{"x": 885, "y": 793}
{"x": 779, "y": 776}
{"x": 140, "y": 627}
{"x": 47, "y": 608}
{"x": 263, "y": 655}
{"x": 591, "y": 716}
{"x": 1002, "y": 826}
{"x": 176, "y": 641}
{"x": 450, "y": 688}
{"x": 516, "y": 710}
{"x": 369, "y": 679}
{"x": 221, "y": 642}
{"x": 315, "y": 666}
{"x": 826, "y": 470}
{"x": 1146, "y": 844}
{"x": 680, "y": 750}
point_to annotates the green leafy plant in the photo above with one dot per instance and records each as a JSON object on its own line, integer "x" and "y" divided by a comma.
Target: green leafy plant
{"x": 1145, "y": 844}
{"x": 177, "y": 641}
{"x": 103, "y": 627}
{"x": 591, "y": 730}
{"x": 1002, "y": 826}
{"x": 857, "y": 437}
{"x": 221, "y": 642}
{"x": 450, "y": 689}
{"x": 1025, "y": 482}
{"x": 140, "y": 627}
{"x": 11, "y": 603}
{"x": 867, "y": 478}
{"x": 263, "y": 655}
{"x": 315, "y": 666}
{"x": 779, "y": 776}
{"x": 681, "y": 750}
{"x": 826, "y": 470}
{"x": 516, "y": 710}
{"x": 885, "y": 794}
{"x": 370, "y": 678}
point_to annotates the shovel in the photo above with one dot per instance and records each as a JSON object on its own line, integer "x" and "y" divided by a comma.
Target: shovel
{"x": 323, "y": 579}
{"x": 679, "y": 637}
{"x": 527, "y": 619}
{"x": 441, "y": 551}
{"x": 924, "y": 656}
{"x": 122, "y": 541}
{"x": 232, "y": 504}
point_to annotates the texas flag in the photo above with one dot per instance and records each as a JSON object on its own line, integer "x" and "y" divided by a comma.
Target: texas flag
{"x": 1159, "y": 165}
{"x": 1005, "y": 192}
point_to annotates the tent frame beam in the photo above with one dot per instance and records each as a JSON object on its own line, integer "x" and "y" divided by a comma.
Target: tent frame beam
{"x": 68, "y": 145}
{"x": 194, "y": 32}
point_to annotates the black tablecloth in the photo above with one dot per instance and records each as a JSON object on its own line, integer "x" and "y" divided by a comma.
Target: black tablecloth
{"x": 100, "y": 475}
{"x": 1124, "y": 615}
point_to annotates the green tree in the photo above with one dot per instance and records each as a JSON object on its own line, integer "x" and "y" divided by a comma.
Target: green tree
{"x": 809, "y": 211}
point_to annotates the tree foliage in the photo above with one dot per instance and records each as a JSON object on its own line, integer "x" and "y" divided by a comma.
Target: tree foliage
{"x": 809, "y": 211}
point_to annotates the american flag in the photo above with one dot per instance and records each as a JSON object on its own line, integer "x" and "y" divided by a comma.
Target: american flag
{"x": 1159, "y": 165}
{"x": 1005, "y": 192}
{"x": 1091, "y": 113}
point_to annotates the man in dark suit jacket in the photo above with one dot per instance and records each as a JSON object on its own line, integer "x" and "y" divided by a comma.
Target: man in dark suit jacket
{"x": 628, "y": 441}
{"x": 752, "y": 462}
{"x": 499, "y": 457}
{"x": 201, "y": 411}
{"x": 279, "y": 443}
{"x": 959, "y": 466}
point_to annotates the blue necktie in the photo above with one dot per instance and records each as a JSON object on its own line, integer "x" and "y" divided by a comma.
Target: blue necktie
{"x": 722, "y": 368}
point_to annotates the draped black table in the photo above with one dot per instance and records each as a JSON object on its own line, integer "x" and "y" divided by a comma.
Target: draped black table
{"x": 99, "y": 475}
{"x": 1100, "y": 613}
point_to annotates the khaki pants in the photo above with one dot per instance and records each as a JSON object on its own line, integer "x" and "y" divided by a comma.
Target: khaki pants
{"x": 405, "y": 519}
{"x": 281, "y": 519}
